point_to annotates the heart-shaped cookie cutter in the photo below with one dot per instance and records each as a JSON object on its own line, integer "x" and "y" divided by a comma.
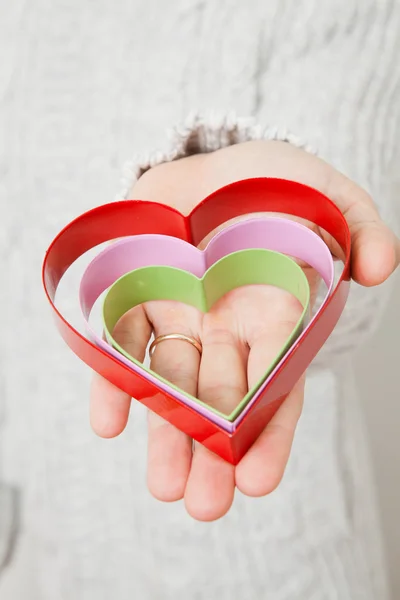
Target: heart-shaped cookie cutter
{"x": 135, "y": 252}
{"x": 134, "y": 217}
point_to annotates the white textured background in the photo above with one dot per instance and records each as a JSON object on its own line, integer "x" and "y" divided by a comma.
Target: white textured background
{"x": 378, "y": 363}
{"x": 378, "y": 374}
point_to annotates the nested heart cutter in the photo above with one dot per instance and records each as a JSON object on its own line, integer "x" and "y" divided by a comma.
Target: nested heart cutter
{"x": 150, "y": 265}
{"x": 230, "y": 260}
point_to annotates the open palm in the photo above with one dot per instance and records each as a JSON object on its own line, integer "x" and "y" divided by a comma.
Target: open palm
{"x": 240, "y": 335}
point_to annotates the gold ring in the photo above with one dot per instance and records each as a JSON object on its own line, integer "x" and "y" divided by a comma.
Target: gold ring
{"x": 175, "y": 336}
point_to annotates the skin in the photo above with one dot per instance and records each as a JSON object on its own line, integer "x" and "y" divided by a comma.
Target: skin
{"x": 237, "y": 342}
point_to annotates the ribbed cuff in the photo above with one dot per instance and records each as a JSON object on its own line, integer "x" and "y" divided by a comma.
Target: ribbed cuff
{"x": 200, "y": 134}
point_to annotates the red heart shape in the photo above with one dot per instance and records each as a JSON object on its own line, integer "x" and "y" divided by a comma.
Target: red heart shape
{"x": 133, "y": 217}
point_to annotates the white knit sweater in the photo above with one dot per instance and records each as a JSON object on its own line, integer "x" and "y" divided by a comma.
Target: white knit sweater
{"x": 84, "y": 85}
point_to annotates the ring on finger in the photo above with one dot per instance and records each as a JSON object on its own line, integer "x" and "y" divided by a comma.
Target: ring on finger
{"x": 175, "y": 336}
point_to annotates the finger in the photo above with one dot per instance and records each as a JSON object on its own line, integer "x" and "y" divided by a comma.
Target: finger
{"x": 211, "y": 486}
{"x": 375, "y": 248}
{"x": 263, "y": 466}
{"x": 109, "y": 406}
{"x": 261, "y": 469}
{"x": 170, "y": 450}
{"x": 222, "y": 384}
{"x": 223, "y": 376}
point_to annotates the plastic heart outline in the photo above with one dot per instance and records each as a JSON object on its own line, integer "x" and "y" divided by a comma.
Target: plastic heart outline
{"x": 245, "y": 267}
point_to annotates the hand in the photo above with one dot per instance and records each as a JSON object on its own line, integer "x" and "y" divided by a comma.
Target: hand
{"x": 238, "y": 339}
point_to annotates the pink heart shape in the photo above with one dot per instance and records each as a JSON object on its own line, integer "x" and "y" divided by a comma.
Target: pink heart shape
{"x": 277, "y": 234}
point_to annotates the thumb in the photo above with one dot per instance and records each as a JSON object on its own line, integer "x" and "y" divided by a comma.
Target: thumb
{"x": 375, "y": 253}
{"x": 375, "y": 248}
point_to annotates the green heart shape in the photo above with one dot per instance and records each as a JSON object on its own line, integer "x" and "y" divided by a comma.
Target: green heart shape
{"x": 244, "y": 267}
